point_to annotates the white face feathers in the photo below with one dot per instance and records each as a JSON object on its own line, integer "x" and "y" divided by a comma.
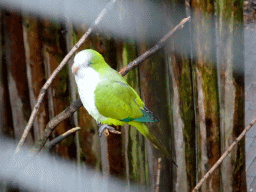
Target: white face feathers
{"x": 82, "y": 59}
{"x": 87, "y": 80}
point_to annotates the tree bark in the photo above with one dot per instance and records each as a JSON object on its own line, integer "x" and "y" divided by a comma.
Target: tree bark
{"x": 35, "y": 69}
{"x": 206, "y": 92}
{"x": 231, "y": 85}
{"x": 181, "y": 95}
{"x": 16, "y": 70}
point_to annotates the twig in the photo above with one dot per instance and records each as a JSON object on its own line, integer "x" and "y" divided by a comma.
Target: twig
{"x": 56, "y": 71}
{"x": 159, "y": 167}
{"x": 77, "y": 104}
{"x": 154, "y": 49}
{"x": 53, "y": 123}
{"x": 62, "y": 137}
{"x": 199, "y": 184}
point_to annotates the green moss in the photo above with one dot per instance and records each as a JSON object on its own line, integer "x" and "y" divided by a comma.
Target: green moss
{"x": 137, "y": 154}
{"x": 210, "y": 88}
{"x": 134, "y": 154}
{"x": 186, "y": 95}
{"x": 129, "y": 54}
{"x": 187, "y": 115}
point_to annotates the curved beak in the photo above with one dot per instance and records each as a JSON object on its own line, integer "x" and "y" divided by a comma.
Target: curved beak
{"x": 75, "y": 69}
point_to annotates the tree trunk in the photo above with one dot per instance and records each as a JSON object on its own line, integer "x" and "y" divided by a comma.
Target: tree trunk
{"x": 206, "y": 93}
{"x": 35, "y": 69}
{"x": 231, "y": 85}
{"x": 16, "y": 70}
{"x": 182, "y": 102}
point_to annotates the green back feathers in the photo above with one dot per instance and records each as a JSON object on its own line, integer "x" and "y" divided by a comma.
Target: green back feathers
{"x": 116, "y": 100}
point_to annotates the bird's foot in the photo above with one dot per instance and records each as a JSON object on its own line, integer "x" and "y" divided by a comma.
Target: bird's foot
{"x": 105, "y": 128}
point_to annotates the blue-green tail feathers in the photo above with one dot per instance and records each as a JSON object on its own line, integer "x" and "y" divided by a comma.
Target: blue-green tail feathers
{"x": 148, "y": 116}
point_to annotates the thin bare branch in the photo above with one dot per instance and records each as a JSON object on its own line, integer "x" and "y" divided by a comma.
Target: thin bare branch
{"x": 56, "y": 71}
{"x": 200, "y": 183}
{"x": 53, "y": 123}
{"x": 77, "y": 104}
{"x": 62, "y": 137}
{"x": 154, "y": 49}
{"x": 159, "y": 168}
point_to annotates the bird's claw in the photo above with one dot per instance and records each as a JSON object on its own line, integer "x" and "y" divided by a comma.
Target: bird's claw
{"x": 104, "y": 129}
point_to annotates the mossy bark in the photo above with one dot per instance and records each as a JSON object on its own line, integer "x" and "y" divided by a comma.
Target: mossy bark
{"x": 231, "y": 76}
{"x": 134, "y": 146}
{"x": 206, "y": 92}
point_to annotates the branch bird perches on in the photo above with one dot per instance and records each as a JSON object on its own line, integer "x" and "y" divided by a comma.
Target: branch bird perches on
{"x": 57, "y": 70}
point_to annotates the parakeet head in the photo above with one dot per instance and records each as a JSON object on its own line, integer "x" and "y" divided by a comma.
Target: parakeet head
{"x": 87, "y": 58}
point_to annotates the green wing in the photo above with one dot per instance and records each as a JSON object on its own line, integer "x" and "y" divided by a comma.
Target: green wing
{"x": 117, "y": 100}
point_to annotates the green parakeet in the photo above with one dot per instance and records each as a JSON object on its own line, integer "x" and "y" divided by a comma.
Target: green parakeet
{"x": 109, "y": 99}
